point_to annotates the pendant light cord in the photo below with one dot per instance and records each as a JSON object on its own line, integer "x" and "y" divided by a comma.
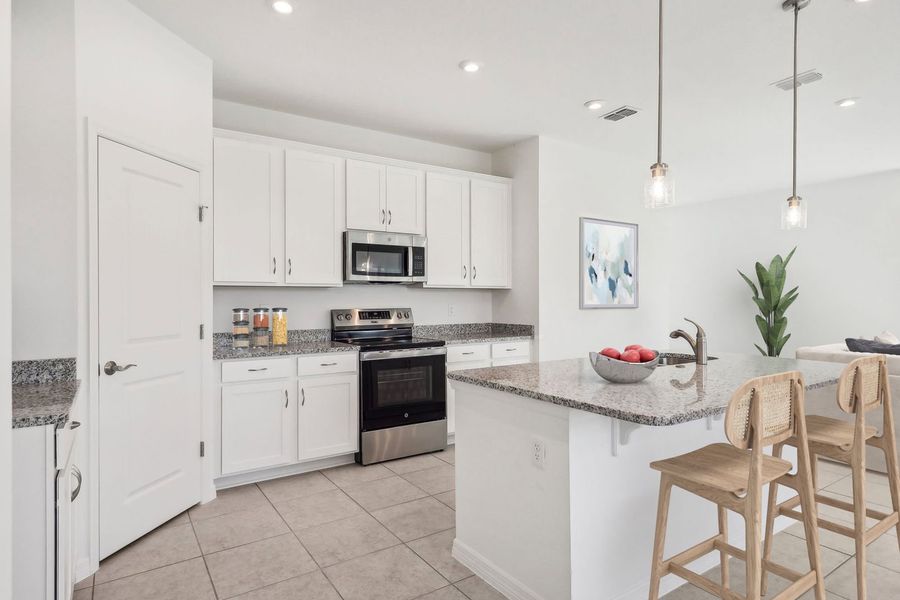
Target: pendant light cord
{"x": 660, "y": 89}
{"x": 796, "y": 19}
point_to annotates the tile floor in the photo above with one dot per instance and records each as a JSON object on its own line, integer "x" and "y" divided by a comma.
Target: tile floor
{"x": 381, "y": 532}
{"x": 384, "y": 532}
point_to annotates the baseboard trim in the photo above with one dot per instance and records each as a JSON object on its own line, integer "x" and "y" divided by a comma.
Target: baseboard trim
{"x": 230, "y": 481}
{"x": 493, "y": 575}
{"x": 82, "y": 569}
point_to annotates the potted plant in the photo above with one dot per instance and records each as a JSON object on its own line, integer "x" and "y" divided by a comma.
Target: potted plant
{"x": 772, "y": 303}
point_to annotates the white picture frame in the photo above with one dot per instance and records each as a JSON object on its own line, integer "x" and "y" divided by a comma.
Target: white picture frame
{"x": 608, "y": 264}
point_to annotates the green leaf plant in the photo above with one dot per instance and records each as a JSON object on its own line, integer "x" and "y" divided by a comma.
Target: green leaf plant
{"x": 772, "y": 303}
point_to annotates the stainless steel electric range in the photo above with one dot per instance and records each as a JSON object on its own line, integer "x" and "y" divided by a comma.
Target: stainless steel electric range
{"x": 402, "y": 383}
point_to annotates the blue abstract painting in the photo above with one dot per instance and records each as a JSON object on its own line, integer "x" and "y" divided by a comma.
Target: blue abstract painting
{"x": 608, "y": 264}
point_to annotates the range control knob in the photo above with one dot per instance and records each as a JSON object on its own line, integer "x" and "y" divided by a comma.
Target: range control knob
{"x": 407, "y": 315}
{"x": 347, "y": 317}
{"x": 340, "y": 317}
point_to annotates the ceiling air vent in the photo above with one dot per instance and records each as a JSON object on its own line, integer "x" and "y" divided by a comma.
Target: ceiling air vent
{"x": 620, "y": 113}
{"x": 804, "y": 78}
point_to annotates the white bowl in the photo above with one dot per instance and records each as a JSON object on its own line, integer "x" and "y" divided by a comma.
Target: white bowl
{"x": 620, "y": 371}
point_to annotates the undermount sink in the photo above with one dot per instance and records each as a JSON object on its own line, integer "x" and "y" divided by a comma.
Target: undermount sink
{"x": 668, "y": 359}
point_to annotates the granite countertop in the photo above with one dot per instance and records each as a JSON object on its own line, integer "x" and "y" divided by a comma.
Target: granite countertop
{"x": 221, "y": 352}
{"x": 43, "y": 391}
{"x": 482, "y": 338}
{"x": 671, "y": 395}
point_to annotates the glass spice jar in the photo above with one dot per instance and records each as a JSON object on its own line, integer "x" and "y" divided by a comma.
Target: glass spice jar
{"x": 259, "y": 338}
{"x": 240, "y": 315}
{"x": 260, "y": 318}
{"x": 240, "y": 328}
{"x": 240, "y": 342}
{"x": 279, "y": 327}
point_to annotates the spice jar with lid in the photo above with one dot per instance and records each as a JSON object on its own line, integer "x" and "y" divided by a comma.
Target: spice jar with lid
{"x": 259, "y": 338}
{"x": 239, "y": 315}
{"x": 260, "y": 318}
{"x": 240, "y": 341}
{"x": 279, "y": 327}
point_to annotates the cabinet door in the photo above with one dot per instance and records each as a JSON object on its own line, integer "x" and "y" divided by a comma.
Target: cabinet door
{"x": 447, "y": 205}
{"x": 405, "y": 200}
{"x": 366, "y": 205}
{"x": 491, "y": 235}
{"x": 451, "y": 396}
{"x": 248, "y": 205}
{"x": 257, "y": 426}
{"x": 314, "y": 218}
{"x": 329, "y": 416}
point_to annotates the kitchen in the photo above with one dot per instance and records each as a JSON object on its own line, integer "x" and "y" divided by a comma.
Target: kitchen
{"x": 255, "y": 305}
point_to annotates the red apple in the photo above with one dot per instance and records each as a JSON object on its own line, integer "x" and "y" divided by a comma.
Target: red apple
{"x": 647, "y": 354}
{"x": 632, "y": 356}
{"x": 633, "y": 347}
{"x": 611, "y": 353}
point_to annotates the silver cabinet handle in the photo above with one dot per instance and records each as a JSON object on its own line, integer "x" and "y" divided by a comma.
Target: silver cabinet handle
{"x": 290, "y": 266}
{"x": 511, "y": 349}
{"x": 285, "y": 398}
{"x": 260, "y": 369}
{"x": 111, "y": 368}
{"x": 77, "y": 489}
{"x": 274, "y": 265}
{"x": 74, "y": 424}
{"x": 467, "y": 353}
{"x": 382, "y": 216}
{"x": 328, "y": 364}
{"x": 390, "y": 217}
{"x": 474, "y": 273}
{"x": 302, "y": 397}
{"x": 465, "y": 272}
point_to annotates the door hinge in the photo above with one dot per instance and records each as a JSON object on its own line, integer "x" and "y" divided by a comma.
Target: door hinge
{"x": 202, "y": 208}
{"x": 201, "y": 331}
{"x": 202, "y": 449}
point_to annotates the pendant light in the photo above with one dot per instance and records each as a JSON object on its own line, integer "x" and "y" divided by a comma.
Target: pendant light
{"x": 659, "y": 190}
{"x": 793, "y": 213}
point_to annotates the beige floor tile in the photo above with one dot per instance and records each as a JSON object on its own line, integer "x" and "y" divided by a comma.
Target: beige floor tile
{"x": 448, "y": 498}
{"x": 791, "y": 552}
{"x": 295, "y": 486}
{"x": 238, "y": 528}
{"x": 447, "y": 593}
{"x": 392, "y": 574}
{"x": 343, "y": 540}
{"x": 259, "y": 564}
{"x": 876, "y": 493}
{"x": 434, "y": 481}
{"x": 182, "y": 519}
{"x": 834, "y": 467}
{"x": 435, "y": 549}
{"x": 885, "y": 552}
{"x": 350, "y": 474}
{"x": 161, "y": 547}
{"x": 85, "y": 583}
{"x": 83, "y": 594}
{"x": 827, "y": 539}
{"x": 882, "y": 584}
{"x": 476, "y": 588}
{"x": 372, "y": 495}
{"x": 317, "y": 509}
{"x": 416, "y": 519}
{"x": 827, "y": 478}
{"x": 448, "y": 455}
{"x": 413, "y": 463}
{"x": 312, "y": 586}
{"x": 182, "y": 581}
{"x": 230, "y": 500}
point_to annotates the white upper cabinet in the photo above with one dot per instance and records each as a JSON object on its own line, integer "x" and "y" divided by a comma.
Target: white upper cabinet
{"x": 366, "y": 195}
{"x": 447, "y": 205}
{"x": 247, "y": 212}
{"x": 314, "y": 218}
{"x": 405, "y": 200}
{"x": 490, "y": 232}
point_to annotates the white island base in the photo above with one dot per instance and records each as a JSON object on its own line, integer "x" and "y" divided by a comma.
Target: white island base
{"x": 555, "y": 503}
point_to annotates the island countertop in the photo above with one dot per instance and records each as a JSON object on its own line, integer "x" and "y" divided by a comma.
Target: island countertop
{"x": 671, "y": 395}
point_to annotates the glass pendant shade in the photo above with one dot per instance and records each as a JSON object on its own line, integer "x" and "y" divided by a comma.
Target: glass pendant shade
{"x": 793, "y": 213}
{"x": 659, "y": 191}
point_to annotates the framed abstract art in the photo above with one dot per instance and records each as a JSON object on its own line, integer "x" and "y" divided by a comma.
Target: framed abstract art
{"x": 609, "y": 264}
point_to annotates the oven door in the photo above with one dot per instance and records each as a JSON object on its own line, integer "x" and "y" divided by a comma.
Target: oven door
{"x": 377, "y": 257}
{"x": 402, "y": 387}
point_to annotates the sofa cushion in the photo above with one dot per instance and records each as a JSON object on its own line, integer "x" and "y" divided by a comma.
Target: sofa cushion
{"x": 840, "y": 354}
{"x": 871, "y": 346}
{"x": 886, "y": 337}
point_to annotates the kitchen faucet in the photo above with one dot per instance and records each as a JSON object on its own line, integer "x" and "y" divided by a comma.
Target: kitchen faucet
{"x": 698, "y": 345}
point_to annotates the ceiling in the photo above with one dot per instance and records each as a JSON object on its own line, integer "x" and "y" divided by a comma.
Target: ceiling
{"x": 391, "y": 65}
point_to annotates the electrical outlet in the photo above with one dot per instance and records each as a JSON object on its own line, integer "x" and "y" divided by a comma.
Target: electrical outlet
{"x": 538, "y": 453}
{"x": 450, "y": 310}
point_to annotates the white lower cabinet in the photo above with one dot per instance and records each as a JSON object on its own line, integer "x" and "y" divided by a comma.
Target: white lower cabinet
{"x": 258, "y": 426}
{"x": 328, "y": 422}
{"x": 451, "y": 395}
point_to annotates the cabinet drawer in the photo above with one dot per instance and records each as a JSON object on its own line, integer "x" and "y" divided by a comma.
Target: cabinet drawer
{"x": 253, "y": 370}
{"x": 510, "y": 349}
{"x": 324, "y": 364}
{"x": 469, "y": 353}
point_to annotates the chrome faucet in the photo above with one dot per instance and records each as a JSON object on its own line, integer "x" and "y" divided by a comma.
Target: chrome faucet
{"x": 698, "y": 345}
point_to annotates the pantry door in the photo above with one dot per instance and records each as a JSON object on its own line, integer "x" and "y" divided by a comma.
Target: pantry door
{"x": 149, "y": 313}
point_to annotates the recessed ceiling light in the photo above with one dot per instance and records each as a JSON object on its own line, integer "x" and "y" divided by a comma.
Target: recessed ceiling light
{"x": 593, "y": 104}
{"x": 283, "y": 7}
{"x": 470, "y": 66}
{"x": 846, "y": 102}
{"x": 859, "y": 1}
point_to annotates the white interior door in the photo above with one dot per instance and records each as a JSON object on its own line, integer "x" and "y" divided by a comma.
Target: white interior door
{"x": 149, "y": 316}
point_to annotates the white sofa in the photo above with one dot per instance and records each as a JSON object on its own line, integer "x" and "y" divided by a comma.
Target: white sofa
{"x": 824, "y": 401}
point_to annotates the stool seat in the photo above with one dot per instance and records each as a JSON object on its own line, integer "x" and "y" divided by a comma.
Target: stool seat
{"x": 722, "y": 467}
{"x": 833, "y": 432}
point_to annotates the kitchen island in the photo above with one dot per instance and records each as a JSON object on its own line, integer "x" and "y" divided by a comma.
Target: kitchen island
{"x": 554, "y": 495}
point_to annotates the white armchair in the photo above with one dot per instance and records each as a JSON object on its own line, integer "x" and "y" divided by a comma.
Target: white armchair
{"x": 824, "y": 401}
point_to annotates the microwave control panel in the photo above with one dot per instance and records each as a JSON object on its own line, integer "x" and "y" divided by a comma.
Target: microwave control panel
{"x": 418, "y": 261}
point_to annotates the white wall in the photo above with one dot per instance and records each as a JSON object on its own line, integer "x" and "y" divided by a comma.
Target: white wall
{"x": 43, "y": 211}
{"x": 520, "y": 304}
{"x": 308, "y": 307}
{"x": 5, "y": 308}
{"x": 847, "y": 262}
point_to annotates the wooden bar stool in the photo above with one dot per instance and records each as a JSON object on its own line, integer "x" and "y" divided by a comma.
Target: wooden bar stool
{"x": 763, "y": 412}
{"x": 863, "y": 387}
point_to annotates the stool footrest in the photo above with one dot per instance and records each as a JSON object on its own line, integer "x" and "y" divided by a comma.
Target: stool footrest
{"x": 799, "y": 587}
{"x": 704, "y": 583}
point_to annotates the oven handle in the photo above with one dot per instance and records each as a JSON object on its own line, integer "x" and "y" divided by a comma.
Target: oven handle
{"x": 411, "y": 353}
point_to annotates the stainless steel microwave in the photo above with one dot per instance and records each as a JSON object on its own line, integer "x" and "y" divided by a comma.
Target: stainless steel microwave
{"x": 381, "y": 257}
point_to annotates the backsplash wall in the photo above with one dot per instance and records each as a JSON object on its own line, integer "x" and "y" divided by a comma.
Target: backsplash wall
{"x": 308, "y": 308}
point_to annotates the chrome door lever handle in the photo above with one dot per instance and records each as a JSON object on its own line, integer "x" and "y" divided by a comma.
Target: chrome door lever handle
{"x": 111, "y": 368}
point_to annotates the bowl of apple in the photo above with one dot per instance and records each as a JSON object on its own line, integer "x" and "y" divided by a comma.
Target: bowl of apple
{"x": 631, "y": 365}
